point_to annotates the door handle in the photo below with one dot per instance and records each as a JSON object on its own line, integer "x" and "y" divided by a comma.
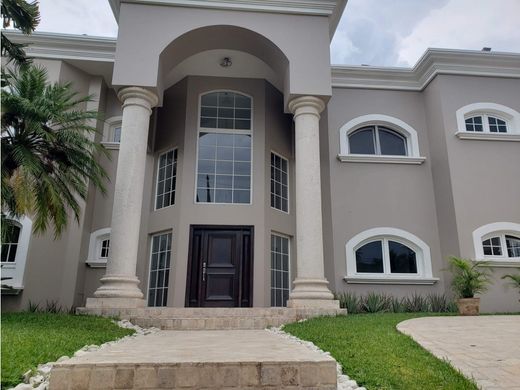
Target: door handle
{"x": 204, "y": 271}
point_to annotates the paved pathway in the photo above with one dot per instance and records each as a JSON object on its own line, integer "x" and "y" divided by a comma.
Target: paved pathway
{"x": 485, "y": 348}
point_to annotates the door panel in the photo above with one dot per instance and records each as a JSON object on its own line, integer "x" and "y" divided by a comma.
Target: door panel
{"x": 219, "y": 267}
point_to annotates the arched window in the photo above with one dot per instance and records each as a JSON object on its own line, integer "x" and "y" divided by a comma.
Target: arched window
{"x": 379, "y": 139}
{"x": 488, "y": 121}
{"x": 99, "y": 248}
{"x": 498, "y": 242}
{"x": 224, "y": 148}
{"x": 14, "y": 252}
{"x": 385, "y": 255}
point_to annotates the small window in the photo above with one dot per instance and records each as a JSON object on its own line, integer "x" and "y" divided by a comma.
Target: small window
{"x": 486, "y": 124}
{"x": 10, "y": 246}
{"x": 501, "y": 246}
{"x": 225, "y": 110}
{"x": 166, "y": 179}
{"x": 105, "y": 246}
{"x": 386, "y": 256}
{"x": 159, "y": 269}
{"x": 377, "y": 140}
{"x": 280, "y": 275}
{"x": 279, "y": 183}
{"x": 116, "y": 133}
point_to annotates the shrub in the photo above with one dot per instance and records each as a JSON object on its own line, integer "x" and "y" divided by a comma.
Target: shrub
{"x": 514, "y": 280}
{"x": 440, "y": 303}
{"x": 375, "y": 302}
{"x": 415, "y": 303}
{"x": 350, "y": 301}
{"x": 469, "y": 278}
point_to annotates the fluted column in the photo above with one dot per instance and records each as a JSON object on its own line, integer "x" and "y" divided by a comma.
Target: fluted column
{"x": 120, "y": 284}
{"x": 310, "y": 286}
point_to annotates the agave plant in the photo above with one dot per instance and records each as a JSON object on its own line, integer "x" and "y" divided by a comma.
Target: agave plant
{"x": 470, "y": 278}
{"x": 514, "y": 280}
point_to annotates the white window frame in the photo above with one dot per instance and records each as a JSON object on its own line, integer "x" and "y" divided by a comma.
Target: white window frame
{"x": 485, "y": 110}
{"x": 157, "y": 177}
{"x": 108, "y": 132}
{"x": 496, "y": 229}
{"x": 224, "y": 131}
{"x": 150, "y": 266}
{"x": 284, "y": 236}
{"x": 405, "y": 130}
{"x": 385, "y": 234}
{"x": 94, "y": 258}
{"x": 288, "y": 184}
{"x": 16, "y": 269}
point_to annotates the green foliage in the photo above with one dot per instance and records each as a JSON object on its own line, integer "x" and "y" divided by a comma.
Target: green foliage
{"x": 379, "y": 302}
{"x": 376, "y": 355}
{"x": 48, "y": 150}
{"x": 29, "y": 339}
{"x": 469, "y": 277}
{"x": 25, "y": 16}
{"x": 514, "y": 280}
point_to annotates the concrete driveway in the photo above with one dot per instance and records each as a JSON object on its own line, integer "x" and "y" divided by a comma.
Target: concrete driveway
{"x": 485, "y": 348}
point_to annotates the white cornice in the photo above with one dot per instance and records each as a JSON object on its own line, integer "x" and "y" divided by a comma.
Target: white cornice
{"x": 432, "y": 63}
{"x": 331, "y": 8}
{"x": 66, "y": 46}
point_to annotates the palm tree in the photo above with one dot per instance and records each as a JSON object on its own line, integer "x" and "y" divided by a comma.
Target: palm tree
{"x": 514, "y": 280}
{"x": 48, "y": 150}
{"x": 25, "y": 16}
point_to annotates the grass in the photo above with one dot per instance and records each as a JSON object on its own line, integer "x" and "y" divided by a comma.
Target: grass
{"x": 372, "y": 352}
{"x": 29, "y": 339}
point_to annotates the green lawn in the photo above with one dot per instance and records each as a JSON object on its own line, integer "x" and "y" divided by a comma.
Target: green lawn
{"x": 372, "y": 352}
{"x": 29, "y": 339}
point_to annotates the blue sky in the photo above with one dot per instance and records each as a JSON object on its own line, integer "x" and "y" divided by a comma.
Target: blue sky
{"x": 374, "y": 32}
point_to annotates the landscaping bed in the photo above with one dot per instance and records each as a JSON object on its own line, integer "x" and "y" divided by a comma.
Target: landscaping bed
{"x": 377, "y": 356}
{"x": 29, "y": 339}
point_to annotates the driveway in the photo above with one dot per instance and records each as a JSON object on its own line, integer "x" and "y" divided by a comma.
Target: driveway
{"x": 485, "y": 348}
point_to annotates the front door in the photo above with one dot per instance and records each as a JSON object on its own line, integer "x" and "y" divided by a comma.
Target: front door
{"x": 220, "y": 269}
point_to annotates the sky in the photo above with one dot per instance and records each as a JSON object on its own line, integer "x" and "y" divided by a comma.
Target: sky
{"x": 372, "y": 32}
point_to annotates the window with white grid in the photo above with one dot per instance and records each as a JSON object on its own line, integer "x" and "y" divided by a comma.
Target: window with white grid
{"x": 279, "y": 183}
{"x": 105, "y": 246}
{"x": 10, "y": 242}
{"x": 166, "y": 179}
{"x": 280, "y": 274}
{"x": 159, "y": 269}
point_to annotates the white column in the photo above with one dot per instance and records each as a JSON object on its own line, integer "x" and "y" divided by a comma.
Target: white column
{"x": 310, "y": 286}
{"x": 120, "y": 284}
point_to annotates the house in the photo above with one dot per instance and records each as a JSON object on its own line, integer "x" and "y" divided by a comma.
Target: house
{"x": 245, "y": 171}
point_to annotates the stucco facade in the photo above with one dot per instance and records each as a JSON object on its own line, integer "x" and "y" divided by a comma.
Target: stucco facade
{"x": 448, "y": 184}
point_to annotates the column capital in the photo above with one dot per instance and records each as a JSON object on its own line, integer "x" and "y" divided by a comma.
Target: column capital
{"x": 306, "y": 105}
{"x": 138, "y": 96}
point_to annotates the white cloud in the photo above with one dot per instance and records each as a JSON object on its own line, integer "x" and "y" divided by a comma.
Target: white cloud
{"x": 465, "y": 24}
{"x": 342, "y": 48}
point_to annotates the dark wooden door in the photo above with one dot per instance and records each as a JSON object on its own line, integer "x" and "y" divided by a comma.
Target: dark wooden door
{"x": 220, "y": 267}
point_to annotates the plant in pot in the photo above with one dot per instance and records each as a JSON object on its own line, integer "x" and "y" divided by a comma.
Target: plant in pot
{"x": 469, "y": 279}
{"x": 514, "y": 280}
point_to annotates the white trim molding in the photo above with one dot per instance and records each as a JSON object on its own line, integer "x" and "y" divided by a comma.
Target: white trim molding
{"x": 496, "y": 229}
{"x": 485, "y": 109}
{"x": 422, "y": 251}
{"x": 16, "y": 270}
{"x": 412, "y": 140}
{"x": 94, "y": 259}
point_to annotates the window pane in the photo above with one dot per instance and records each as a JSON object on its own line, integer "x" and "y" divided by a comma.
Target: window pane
{"x": 402, "y": 259}
{"x": 117, "y": 134}
{"x": 159, "y": 269}
{"x": 369, "y": 258}
{"x": 362, "y": 141}
{"x": 391, "y": 143}
{"x": 280, "y": 283}
{"x": 492, "y": 247}
{"x": 513, "y": 246}
{"x": 279, "y": 191}
{"x": 474, "y": 124}
{"x": 497, "y": 125}
{"x": 166, "y": 179}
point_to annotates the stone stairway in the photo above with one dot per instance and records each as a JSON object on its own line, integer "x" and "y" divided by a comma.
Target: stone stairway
{"x": 171, "y": 318}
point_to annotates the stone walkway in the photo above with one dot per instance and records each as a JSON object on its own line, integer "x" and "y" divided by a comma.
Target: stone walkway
{"x": 231, "y": 359}
{"x": 485, "y": 348}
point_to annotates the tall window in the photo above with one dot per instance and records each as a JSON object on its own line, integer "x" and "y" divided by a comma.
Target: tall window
{"x": 105, "y": 247}
{"x": 377, "y": 140}
{"x": 166, "y": 179}
{"x": 10, "y": 246}
{"x": 224, "y": 149}
{"x": 279, "y": 183}
{"x": 159, "y": 269}
{"x": 280, "y": 275}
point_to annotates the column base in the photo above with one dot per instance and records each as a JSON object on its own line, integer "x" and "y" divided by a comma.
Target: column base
{"x": 114, "y": 286}
{"x": 311, "y": 293}
{"x": 115, "y": 303}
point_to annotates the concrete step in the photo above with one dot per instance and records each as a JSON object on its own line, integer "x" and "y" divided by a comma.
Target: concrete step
{"x": 234, "y": 359}
{"x": 212, "y": 323}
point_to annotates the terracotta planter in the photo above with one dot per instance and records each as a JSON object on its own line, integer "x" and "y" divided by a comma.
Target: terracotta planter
{"x": 468, "y": 306}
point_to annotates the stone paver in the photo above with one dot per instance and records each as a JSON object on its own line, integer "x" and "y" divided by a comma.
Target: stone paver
{"x": 485, "y": 348}
{"x": 231, "y": 359}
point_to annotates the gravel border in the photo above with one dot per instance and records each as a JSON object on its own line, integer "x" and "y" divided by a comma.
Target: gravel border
{"x": 344, "y": 381}
{"x": 39, "y": 380}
